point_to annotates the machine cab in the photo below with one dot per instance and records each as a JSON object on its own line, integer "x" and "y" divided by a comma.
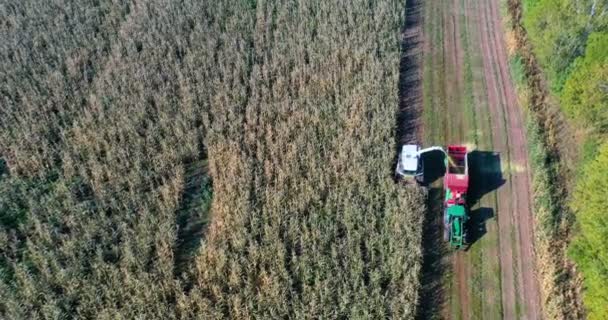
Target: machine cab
{"x": 409, "y": 165}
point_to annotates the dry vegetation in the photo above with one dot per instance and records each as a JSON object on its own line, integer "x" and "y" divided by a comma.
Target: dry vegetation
{"x": 108, "y": 112}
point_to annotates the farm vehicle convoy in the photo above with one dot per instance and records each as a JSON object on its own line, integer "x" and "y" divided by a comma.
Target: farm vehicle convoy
{"x": 410, "y": 167}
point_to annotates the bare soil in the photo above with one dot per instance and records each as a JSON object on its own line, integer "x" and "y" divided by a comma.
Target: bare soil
{"x": 519, "y": 174}
{"x": 409, "y": 122}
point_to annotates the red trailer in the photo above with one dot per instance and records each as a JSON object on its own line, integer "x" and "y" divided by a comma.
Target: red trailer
{"x": 457, "y": 173}
{"x": 456, "y": 184}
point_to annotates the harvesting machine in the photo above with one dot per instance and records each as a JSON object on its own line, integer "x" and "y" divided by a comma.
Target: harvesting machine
{"x": 410, "y": 166}
{"x": 456, "y": 185}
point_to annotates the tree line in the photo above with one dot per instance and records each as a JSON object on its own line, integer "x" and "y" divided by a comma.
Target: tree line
{"x": 570, "y": 39}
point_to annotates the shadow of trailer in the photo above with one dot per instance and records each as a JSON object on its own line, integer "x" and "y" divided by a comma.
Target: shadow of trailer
{"x": 485, "y": 175}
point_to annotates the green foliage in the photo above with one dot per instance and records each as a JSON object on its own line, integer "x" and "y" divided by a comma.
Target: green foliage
{"x": 570, "y": 40}
{"x": 585, "y": 95}
{"x": 589, "y": 248}
{"x": 558, "y": 30}
{"x": 589, "y": 150}
{"x": 517, "y": 70}
{"x": 108, "y": 108}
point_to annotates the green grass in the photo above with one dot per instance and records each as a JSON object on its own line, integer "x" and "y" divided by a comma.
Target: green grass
{"x": 475, "y": 254}
{"x": 544, "y": 202}
{"x": 476, "y": 282}
{"x": 517, "y": 71}
{"x": 487, "y": 265}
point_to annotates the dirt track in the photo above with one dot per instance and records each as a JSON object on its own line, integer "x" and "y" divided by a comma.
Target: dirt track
{"x": 469, "y": 97}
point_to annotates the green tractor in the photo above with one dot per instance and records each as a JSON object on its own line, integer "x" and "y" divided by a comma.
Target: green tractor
{"x": 456, "y": 182}
{"x": 455, "y": 218}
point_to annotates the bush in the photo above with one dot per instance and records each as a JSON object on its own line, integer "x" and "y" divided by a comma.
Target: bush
{"x": 570, "y": 40}
{"x": 589, "y": 248}
{"x": 558, "y": 30}
{"x": 585, "y": 95}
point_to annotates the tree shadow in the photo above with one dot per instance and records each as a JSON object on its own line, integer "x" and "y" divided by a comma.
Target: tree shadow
{"x": 192, "y": 215}
{"x": 3, "y": 167}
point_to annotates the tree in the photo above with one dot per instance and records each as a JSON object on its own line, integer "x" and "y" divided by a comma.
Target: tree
{"x": 558, "y": 29}
{"x": 585, "y": 95}
{"x": 589, "y": 248}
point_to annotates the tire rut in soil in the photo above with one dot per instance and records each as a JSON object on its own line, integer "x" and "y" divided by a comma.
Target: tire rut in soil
{"x": 503, "y": 209}
{"x": 453, "y": 60}
{"x": 521, "y": 180}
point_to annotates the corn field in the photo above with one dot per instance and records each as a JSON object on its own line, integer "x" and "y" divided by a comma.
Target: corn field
{"x": 117, "y": 119}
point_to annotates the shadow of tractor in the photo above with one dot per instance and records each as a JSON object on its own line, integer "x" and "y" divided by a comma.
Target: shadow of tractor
{"x": 476, "y": 226}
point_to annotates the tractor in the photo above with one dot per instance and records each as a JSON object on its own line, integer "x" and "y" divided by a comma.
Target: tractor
{"x": 456, "y": 183}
